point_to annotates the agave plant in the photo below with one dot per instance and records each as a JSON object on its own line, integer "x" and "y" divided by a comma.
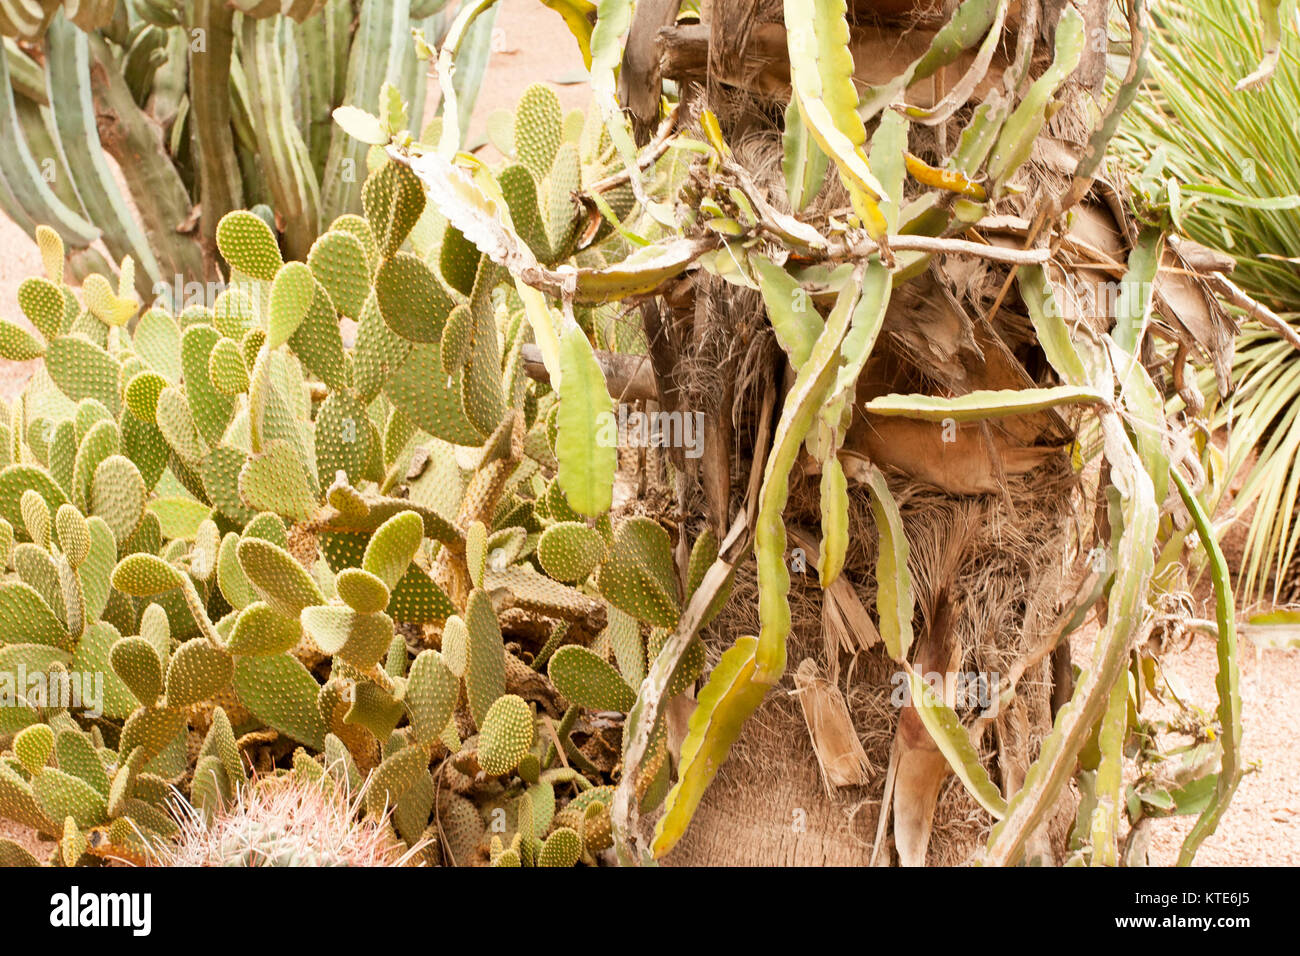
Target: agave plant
{"x": 1232, "y": 159}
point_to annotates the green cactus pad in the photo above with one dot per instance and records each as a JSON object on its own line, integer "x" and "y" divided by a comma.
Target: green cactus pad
{"x": 519, "y": 188}
{"x": 25, "y": 616}
{"x": 539, "y": 128}
{"x": 101, "y": 441}
{"x": 374, "y": 709}
{"x": 145, "y": 445}
{"x": 455, "y": 644}
{"x": 570, "y": 551}
{"x": 476, "y": 552}
{"x": 175, "y": 418}
{"x": 431, "y": 693}
{"x": 393, "y": 199}
{"x": 277, "y": 578}
{"x": 281, "y": 693}
{"x": 226, "y": 369}
{"x": 485, "y": 663}
{"x": 145, "y": 575}
{"x": 36, "y": 517}
{"x": 43, "y": 303}
{"x": 276, "y": 481}
{"x": 394, "y": 778}
{"x": 358, "y": 227}
{"x": 73, "y": 534}
{"x": 220, "y": 475}
{"x": 75, "y": 753}
{"x": 117, "y": 495}
{"x": 17, "y": 344}
{"x": 33, "y": 746}
{"x": 338, "y": 261}
{"x": 235, "y": 313}
{"x": 291, "y": 295}
{"x": 157, "y": 340}
{"x": 411, "y": 300}
{"x": 82, "y": 369}
{"x": 457, "y": 339}
{"x": 14, "y": 480}
{"x": 62, "y": 795}
{"x": 142, "y": 395}
{"x": 358, "y": 639}
{"x": 268, "y": 527}
{"x": 136, "y": 662}
{"x": 505, "y": 735}
{"x": 362, "y": 591}
{"x": 248, "y": 244}
{"x": 637, "y": 575}
{"x": 261, "y": 631}
{"x": 319, "y": 343}
{"x": 379, "y": 351}
{"x": 210, "y": 409}
{"x": 392, "y": 547}
{"x": 155, "y": 730}
{"x": 562, "y": 848}
{"x": 197, "y": 672}
{"x": 431, "y": 399}
{"x": 342, "y": 438}
{"x": 589, "y": 681}
{"x": 458, "y": 261}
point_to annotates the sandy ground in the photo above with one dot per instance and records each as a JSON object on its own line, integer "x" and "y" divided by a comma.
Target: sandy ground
{"x": 1263, "y": 824}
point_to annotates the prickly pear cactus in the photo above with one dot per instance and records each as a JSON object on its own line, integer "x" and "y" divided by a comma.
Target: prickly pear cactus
{"x": 240, "y": 538}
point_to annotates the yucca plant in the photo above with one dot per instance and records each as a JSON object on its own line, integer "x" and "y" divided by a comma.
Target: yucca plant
{"x": 1235, "y": 159}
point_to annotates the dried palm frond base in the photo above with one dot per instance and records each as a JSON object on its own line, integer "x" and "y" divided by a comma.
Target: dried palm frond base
{"x": 1005, "y": 567}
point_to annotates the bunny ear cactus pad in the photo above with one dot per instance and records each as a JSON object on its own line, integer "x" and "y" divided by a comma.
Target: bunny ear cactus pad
{"x": 275, "y": 481}
{"x": 505, "y": 735}
{"x": 342, "y": 437}
{"x": 248, "y": 244}
{"x": 277, "y": 578}
{"x": 82, "y": 369}
{"x": 392, "y": 547}
{"x": 136, "y": 662}
{"x": 17, "y": 344}
{"x": 226, "y": 369}
{"x": 431, "y": 693}
{"x": 589, "y": 681}
{"x": 73, "y": 534}
{"x": 146, "y": 575}
{"x": 570, "y": 551}
{"x": 197, "y": 672}
{"x": 393, "y": 199}
{"x": 282, "y": 694}
{"x": 357, "y": 639}
{"x": 539, "y": 128}
{"x": 637, "y": 576}
{"x": 362, "y": 591}
{"x": 291, "y": 295}
{"x": 43, "y": 303}
{"x": 485, "y": 656}
{"x": 339, "y": 262}
{"x": 117, "y": 494}
{"x": 262, "y": 631}
{"x": 411, "y": 300}
{"x": 36, "y": 517}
